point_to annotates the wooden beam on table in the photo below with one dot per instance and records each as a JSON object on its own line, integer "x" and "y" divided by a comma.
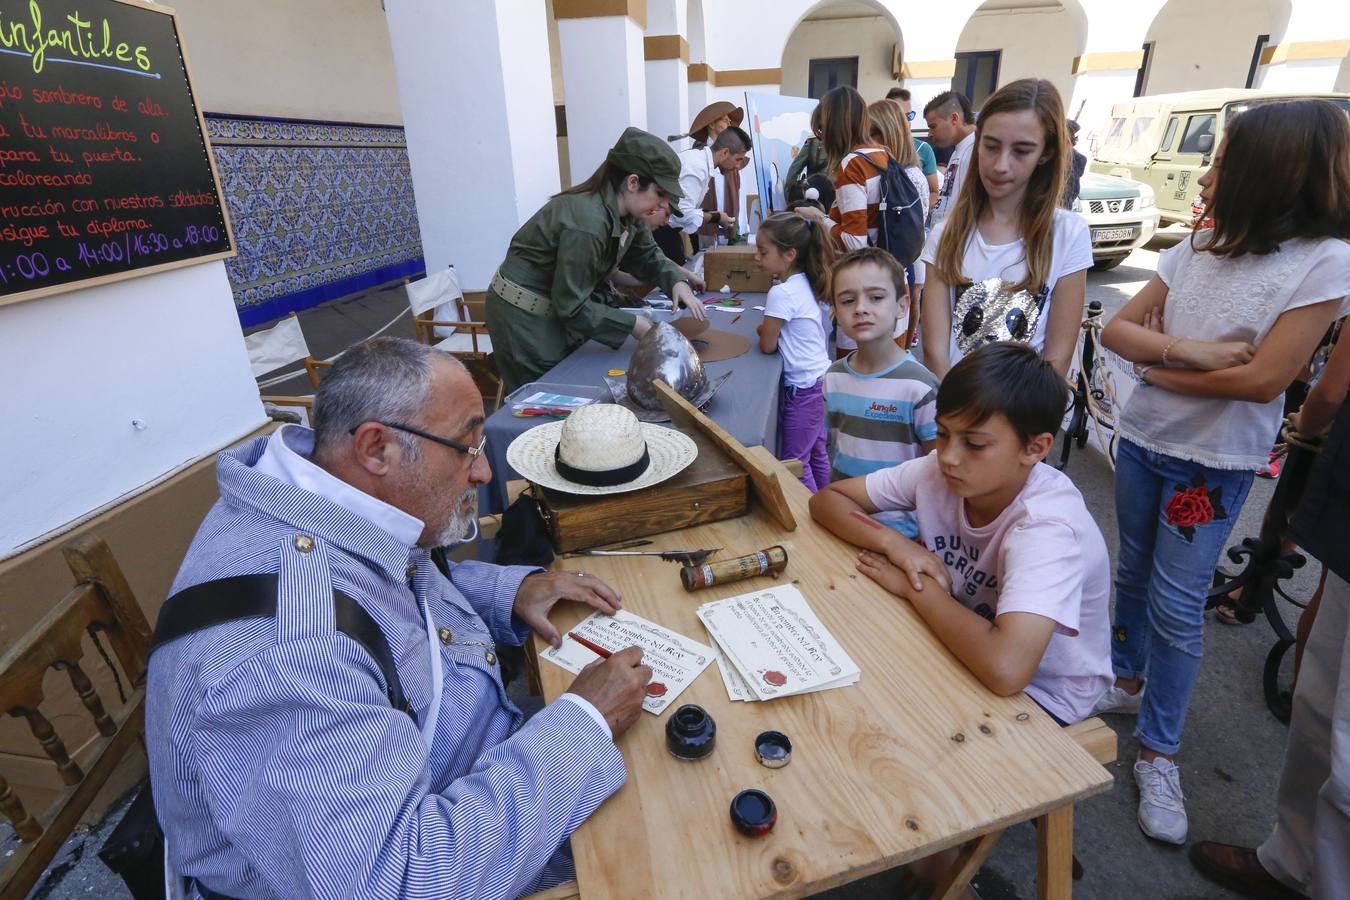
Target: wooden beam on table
{"x": 1054, "y": 854}
{"x": 1096, "y": 737}
{"x": 762, "y": 477}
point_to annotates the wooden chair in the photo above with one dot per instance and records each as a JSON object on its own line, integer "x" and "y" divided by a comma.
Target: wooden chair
{"x": 101, "y": 605}
{"x": 280, "y": 345}
{"x": 441, "y": 319}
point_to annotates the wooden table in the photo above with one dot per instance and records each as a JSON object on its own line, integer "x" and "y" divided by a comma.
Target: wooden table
{"x": 917, "y": 757}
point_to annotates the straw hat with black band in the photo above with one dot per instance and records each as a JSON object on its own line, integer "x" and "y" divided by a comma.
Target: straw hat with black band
{"x": 600, "y": 449}
{"x": 698, "y": 130}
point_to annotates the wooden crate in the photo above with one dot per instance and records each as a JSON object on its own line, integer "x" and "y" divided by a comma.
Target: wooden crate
{"x": 711, "y": 489}
{"x": 734, "y": 266}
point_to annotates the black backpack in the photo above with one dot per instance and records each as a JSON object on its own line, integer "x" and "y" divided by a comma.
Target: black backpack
{"x": 900, "y": 215}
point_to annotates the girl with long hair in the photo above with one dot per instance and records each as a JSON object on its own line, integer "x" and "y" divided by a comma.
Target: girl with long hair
{"x": 1007, "y": 263}
{"x": 798, "y": 253}
{"x": 852, "y": 221}
{"x": 1220, "y": 331}
{"x": 888, "y": 127}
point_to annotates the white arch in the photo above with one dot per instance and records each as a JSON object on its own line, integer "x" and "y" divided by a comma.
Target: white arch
{"x": 694, "y": 25}
{"x": 1032, "y": 43}
{"x": 1180, "y": 63}
{"x": 871, "y": 42}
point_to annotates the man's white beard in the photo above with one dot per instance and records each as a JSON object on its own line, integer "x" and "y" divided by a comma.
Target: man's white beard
{"x": 461, "y": 526}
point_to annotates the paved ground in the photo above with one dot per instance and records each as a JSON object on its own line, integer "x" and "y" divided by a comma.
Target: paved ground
{"x": 1232, "y": 745}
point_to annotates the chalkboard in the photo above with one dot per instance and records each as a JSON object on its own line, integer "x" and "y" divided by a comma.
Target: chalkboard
{"x": 105, "y": 172}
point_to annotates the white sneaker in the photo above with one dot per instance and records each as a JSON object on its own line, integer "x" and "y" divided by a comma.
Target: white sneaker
{"x": 1118, "y": 700}
{"x": 1162, "y": 814}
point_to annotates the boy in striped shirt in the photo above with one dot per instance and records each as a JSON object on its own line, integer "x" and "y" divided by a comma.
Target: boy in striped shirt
{"x": 880, "y": 401}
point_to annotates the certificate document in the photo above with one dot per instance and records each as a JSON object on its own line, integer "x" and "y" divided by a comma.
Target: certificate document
{"x": 675, "y": 660}
{"x": 775, "y": 645}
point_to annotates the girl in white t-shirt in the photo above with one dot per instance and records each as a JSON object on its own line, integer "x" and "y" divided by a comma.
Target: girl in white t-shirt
{"x": 798, "y": 253}
{"x": 1229, "y": 320}
{"x": 1007, "y": 263}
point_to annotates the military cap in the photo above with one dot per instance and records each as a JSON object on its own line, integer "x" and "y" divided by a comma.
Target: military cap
{"x": 650, "y": 157}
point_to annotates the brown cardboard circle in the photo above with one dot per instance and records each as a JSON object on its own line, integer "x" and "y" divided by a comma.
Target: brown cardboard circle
{"x": 710, "y": 344}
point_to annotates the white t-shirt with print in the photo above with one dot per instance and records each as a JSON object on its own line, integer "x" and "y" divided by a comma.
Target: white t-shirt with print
{"x": 958, "y": 167}
{"x": 801, "y": 341}
{"x": 1212, "y": 298}
{"x": 1072, "y": 252}
{"x": 1042, "y": 555}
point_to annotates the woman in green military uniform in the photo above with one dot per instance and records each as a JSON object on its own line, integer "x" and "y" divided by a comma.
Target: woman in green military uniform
{"x": 543, "y": 304}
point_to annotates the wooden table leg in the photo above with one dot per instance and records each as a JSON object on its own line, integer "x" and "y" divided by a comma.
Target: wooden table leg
{"x": 1054, "y": 854}
{"x": 967, "y": 864}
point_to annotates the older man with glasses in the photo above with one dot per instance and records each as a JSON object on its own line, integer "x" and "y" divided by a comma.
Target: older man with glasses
{"x": 325, "y": 713}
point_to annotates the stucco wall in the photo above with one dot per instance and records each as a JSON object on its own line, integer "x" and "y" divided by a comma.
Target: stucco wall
{"x": 1203, "y": 44}
{"x": 305, "y": 59}
{"x": 1034, "y": 44}
{"x": 115, "y": 386}
{"x": 871, "y": 40}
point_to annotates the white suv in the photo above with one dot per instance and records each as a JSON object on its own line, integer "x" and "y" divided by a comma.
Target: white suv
{"x": 1121, "y": 216}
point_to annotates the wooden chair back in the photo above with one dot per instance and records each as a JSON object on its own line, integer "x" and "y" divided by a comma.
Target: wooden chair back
{"x": 102, "y": 606}
{"x": 431, "y": 300}
{"x": 280, "y": 345}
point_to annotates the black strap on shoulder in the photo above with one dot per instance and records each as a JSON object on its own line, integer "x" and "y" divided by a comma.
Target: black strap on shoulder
{"x": 356, "y": 623}
{"x": 255, "y": 597}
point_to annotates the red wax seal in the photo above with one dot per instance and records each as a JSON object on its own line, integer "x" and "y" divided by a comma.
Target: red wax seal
{"x": 656, "y": 689}
{"x": 777, "y": 679}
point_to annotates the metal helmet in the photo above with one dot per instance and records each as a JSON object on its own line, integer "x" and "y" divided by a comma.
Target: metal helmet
{"x": 666, "y": 354}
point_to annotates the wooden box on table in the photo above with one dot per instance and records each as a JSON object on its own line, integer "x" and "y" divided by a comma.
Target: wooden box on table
{"x": 734, "y": 266}
{"x": 711, "y": 489}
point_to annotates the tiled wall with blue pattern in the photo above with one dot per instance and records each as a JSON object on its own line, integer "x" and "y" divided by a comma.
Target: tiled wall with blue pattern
{"x": 319, "y": 210}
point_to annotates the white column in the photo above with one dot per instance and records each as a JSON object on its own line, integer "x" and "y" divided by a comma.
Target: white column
{"x": 605, "y": 83}
{"x": 667, "y": 54}
{"x": 477, "y": 98}
{"x": 1309, "y": 56}
{"x": 1107, "y": 69}
{"x": 667, "y": 97}
{"x": 700, "y": 92}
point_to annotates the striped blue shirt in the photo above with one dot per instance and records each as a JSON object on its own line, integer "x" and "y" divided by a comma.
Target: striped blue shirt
{"x": 281, "y": 770}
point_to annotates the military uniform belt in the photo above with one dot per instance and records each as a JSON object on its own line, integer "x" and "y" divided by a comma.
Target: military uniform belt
{"x": 519, "y": 297}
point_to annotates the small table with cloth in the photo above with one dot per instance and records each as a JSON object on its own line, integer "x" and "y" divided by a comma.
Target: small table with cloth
{"x": 746, "y": 405}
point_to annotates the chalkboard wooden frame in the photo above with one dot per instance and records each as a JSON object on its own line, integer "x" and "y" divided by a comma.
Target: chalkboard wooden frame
{"x": 49, "y": 290}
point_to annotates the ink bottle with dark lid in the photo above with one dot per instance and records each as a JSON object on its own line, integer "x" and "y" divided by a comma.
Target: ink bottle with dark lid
{"x": 691, "y": 733}
{"x": 753, "y": 812}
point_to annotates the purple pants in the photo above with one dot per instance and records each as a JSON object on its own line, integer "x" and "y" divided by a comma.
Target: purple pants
{"x": 801, "y": 431}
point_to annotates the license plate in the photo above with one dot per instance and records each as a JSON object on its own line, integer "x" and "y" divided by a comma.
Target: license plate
{"x": 1101, "y": 235}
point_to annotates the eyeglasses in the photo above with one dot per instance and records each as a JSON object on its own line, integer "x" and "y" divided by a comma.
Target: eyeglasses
{"x": 473, "y": 452}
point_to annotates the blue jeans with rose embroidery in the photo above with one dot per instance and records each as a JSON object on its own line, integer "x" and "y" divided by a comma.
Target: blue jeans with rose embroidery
{"x": 1175, "y": 518}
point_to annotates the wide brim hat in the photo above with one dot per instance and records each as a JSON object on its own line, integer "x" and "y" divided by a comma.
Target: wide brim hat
{"x": 535, "y": 455}
{"x": 711, "y": 113}
{"x": 647, "y": 155}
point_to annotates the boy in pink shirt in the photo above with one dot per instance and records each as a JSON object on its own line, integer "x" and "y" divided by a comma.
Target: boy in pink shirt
{"x": 1009, "y": 570}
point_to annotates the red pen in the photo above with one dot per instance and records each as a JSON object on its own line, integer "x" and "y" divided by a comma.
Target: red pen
{"x": 737, "y": 319}
{"x": 653, "y": 689}
{"x": 594, "y": 648}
